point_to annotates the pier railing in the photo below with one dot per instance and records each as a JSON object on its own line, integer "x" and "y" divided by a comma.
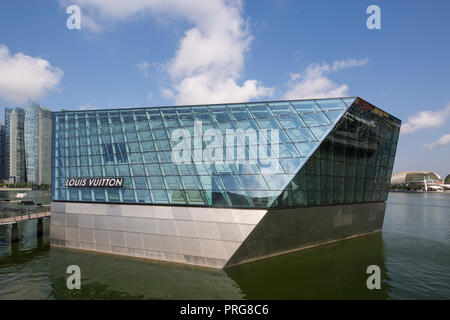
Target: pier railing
{"x": 13, "y": 215}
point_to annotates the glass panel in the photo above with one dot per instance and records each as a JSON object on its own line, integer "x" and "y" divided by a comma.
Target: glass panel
{"x": 320, "y": 132}
{"x": 288, "y": 122}
{"x": 195, "y": 197}
{"x": 282, "y": 108}
{"x": 177, "y": 197}
{"x": 331, "y": 104}
{"x": 348, "y": 101}
{"x": 268, "y": 123}
{"x": 222, "y": 116}
{"x": 261, "y": 112}
{"x": 300, "y": 134}
{"x": 240, "y": 114}
{"x": 315, "y": 119}
{"x": 159, "y": 196}
{"x": 334, "y": 115}
{"x": 255, "y": 182}
{"x": 306, "y": 148}
{"x": 305, "y": 106}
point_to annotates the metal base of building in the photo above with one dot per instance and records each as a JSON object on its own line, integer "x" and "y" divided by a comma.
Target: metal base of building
{"x": 209, "y": 237}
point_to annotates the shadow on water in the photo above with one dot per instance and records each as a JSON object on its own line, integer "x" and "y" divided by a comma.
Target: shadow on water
{"x": 335, "y": 271}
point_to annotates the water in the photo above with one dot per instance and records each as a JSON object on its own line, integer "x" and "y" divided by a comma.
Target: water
{"x": 413, "y": 252}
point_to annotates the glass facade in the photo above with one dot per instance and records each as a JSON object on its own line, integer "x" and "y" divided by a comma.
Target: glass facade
{"x": 286, "y": 153}
{"x": 17, "y": 165}
{"x": 32, "y": 142}
{"x": 38, "y": 122}
{"x": 2, "y": 152}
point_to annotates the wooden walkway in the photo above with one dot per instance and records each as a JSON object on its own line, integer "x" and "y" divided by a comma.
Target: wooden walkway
{"x": 11, "y": 216}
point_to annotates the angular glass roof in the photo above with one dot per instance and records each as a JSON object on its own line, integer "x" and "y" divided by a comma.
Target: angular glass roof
{"x": 241, "y": 155}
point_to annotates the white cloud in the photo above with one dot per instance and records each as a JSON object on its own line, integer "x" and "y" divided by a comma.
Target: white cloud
{"x": 426, "y": 119}
{"x": 208, "y": 63}
{"x": 23, "y": 77}
{"x": 150, "y": 96}
{"x": 143, "y": 66}
{"x": 445, "y": 139}
{"x": 314, "y": 83}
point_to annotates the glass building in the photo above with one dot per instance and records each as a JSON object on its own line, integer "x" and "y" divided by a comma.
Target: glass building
{"x": 257, "y": 178}
{"x": 2, "y": 152}
{"x": 17, "y": 165}
{"x": 38, "y": 124}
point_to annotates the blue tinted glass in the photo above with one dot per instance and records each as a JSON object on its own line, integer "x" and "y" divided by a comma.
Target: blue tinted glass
{"x": 305, "y": 106}
{"x": 143, "y": 196}
{"x": 231, "y": 182}
{"x": 199, "y": 109}
{"x": 348, "y": 101}
{"x": 253, "y": 182}
{"x": 173, "y": 182}
{"x": 268, "y": 123}
{"x": 195, "y": 197}
{"x": 306, "y": 148}
{"x": 292, "y": 165}
{"x": 288, "y": 122}
{"x": 240, "y": 114}
{"x": 300, "y": 134}
{"x": 320, "y": 132}
{"x": 277, "y": 181}
{"x": 159, "y": 196}
{"x": 282, "y": 108}
{"x": 204, "y": 117}
{"x": 334, "y": 115}
{"x": 331, "y": 104}
{"x": 315, "y": 119}
{"x": 261, "y": 112}
{"x": 191, "y": 182}
{"x": 183, "y": 110}
{"x": 286, "y": 150}
{"x": 222, "y": 116}
{"x": 187, "y": 119}
{"x": 177, "y": 196}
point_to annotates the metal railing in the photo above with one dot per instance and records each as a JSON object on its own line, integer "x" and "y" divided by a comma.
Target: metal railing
{"x": 12, "y": 215}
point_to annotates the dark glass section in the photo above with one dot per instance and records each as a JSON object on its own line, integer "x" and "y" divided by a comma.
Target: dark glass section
{"x": 353, "y": 164}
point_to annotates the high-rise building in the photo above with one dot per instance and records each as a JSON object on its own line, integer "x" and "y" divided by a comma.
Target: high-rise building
{"x": 17, "y": 166}
{"x": 7, "y": 115}
{"x": 38, "y": 129}
{"x": 2, "y": 152}
{"x": 220, "y": 185}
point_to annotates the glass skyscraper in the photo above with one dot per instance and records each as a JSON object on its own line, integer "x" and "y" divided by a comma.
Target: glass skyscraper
{"x": 3, "y": 175}
{"x": 38, "y": 122}
{"x": 218, "y": 185}
{"x": 17, "y": 165}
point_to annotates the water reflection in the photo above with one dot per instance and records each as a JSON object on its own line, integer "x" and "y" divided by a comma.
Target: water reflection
{"x": 336, "y": 271}
{"x": 412, "y": 252}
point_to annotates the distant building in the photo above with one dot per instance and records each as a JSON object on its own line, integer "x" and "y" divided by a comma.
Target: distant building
{"x": 6, "y": 156}
{"x": 2, "y": 152}
{"x": 38, "y": 134}
{"x": 415, "y": 177}
{"x": 17, "y": 166}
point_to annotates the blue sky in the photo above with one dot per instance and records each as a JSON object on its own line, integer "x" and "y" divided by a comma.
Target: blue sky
{"x": 153, "y": 52}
